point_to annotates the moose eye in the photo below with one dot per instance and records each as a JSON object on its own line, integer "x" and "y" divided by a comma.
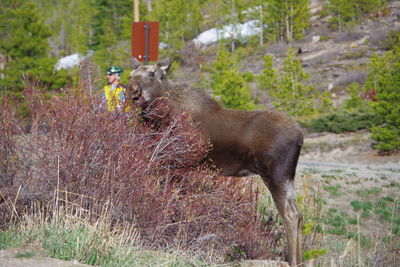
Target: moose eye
{"x": 151, "y": 73}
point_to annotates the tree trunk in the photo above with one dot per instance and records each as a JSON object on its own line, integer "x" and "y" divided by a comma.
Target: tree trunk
{"x": 149, "y": 6}
{"x": 2, "y": 65}
{"x": 261, "y": 25}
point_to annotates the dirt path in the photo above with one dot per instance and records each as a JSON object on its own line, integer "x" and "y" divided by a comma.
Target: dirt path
{"x": 31, "y": 258}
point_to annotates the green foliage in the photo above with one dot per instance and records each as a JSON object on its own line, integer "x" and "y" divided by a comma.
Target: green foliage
{"x": 354, "y": 101}
{"x": 285, "y": 20}
{"x": 289, "y": 92}
{"x": 24, "y": 42}
{"x": 364, "y": 241}
{"x": 314, "y": 253}
{"x": 367, "y": 192}
{"x": 347, "y": 12}
{"x": 336, "y": 222}
{"x": 229, "y": 84}
{"x": 106, "y": 55}
{"x": 10, "y": 239}
{"x": 323, "y": 102}
{"x": 384, "y": 78}
{"x": 268, "y": 78}
{"x": 179, "y": 21}
{"x": 70, "y": 23}
{"x": 343, "y": 121}
{"x": 308, "y": 228}
{"x": 116, "y": 13}
{"x": 25, "y": 254}
{"x": 334, "y": 190}
{"x": 365, "y": 207}
{"x": 392, "y": 40}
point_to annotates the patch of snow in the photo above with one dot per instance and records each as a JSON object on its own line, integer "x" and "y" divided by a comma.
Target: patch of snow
{"x": 235, "y": 31}
{"x": 162, "y": 45}
{"x": 71, "y": 61}
{"x": 316, "y": 38}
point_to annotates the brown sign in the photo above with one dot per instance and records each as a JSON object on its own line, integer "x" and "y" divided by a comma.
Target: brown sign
{"x": 145, "y": 40}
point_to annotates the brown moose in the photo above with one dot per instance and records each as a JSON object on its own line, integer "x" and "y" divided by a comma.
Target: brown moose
{"x": 264, "y": 142}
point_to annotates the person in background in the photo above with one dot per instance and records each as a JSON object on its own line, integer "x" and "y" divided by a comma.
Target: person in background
{"x": 114, "y": 91}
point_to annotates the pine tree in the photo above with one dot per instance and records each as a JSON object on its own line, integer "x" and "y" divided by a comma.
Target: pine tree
{"x": 346, "y": 12}
{"x": 384, "y": 78}
{"x": 24, "y": 42}
{"x": 70, "y": 23}
{"x": 286, "y": 20}
{"x": 291, "y": 94}
{"x": 107, "y": 53}
{"x": 354, "y": 101}
{"x": 179, "y": 20}
{"x": 229, "y": 84}
{"x": 268, "y": 78}
{"x": 116, "y": 12}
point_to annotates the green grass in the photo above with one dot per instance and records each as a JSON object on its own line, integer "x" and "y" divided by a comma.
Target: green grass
{"x": 336, "y": 222}
{"x": 25, "y": 254}
{"x": 328, "y": 176}
{"x": 365, "y": 193}
{"x": 333, "y": 189}
{"x": 386, "y": 208}
{"x": 363, "y": 240}
{"x": 10, "y": 239}
{"x": 337, "y": 170}
{"x": 393, "y": 184}
{"x": 311, "y": 170}
{"x": 364, "y": 206}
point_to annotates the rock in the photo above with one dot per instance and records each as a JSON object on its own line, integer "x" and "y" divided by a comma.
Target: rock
{"x": 362, "y": 40}
{"x": 314, "y": 9}
{"x": 353, "y": 45}
{"x": 316, "y": 38}
{"x": 314, "y": 18}
{"x": 330, "y": 86}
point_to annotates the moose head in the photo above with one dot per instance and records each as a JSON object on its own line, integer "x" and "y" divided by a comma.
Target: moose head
{"x": 146, "y": 80}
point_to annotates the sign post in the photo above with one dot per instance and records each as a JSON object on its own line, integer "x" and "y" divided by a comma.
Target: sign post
{"x": 145, "y": 39}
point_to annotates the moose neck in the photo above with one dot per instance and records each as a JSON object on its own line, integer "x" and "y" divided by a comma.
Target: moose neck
{"x": 192, "y": 100}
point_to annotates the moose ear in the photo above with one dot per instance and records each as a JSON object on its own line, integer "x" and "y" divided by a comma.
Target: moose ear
{"x": 165, "y": 65}
{"x": 135, "y": 63}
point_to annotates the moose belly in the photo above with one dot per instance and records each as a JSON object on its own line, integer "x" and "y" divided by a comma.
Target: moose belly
{"x": 232, "y": 162}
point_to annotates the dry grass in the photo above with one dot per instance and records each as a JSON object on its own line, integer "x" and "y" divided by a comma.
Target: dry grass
{"x": 353, "y": 237}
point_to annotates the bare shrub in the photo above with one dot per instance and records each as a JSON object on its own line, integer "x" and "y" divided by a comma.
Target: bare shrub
{"x": 278, "y": 49}
{"x": 155, "y": 176}
{"x": 357, "y": 76}
{"x": 191, "y": 56}
{"x": 377, "y": 37}
{"x": 349, "y": 36}
{"x": 9, "y": 160}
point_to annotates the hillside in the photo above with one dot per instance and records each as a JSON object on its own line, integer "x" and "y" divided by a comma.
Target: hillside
{"x": 333, "y": 59}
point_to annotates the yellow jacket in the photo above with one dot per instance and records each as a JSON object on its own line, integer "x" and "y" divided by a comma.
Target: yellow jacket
{"x": 114, "y": 97}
